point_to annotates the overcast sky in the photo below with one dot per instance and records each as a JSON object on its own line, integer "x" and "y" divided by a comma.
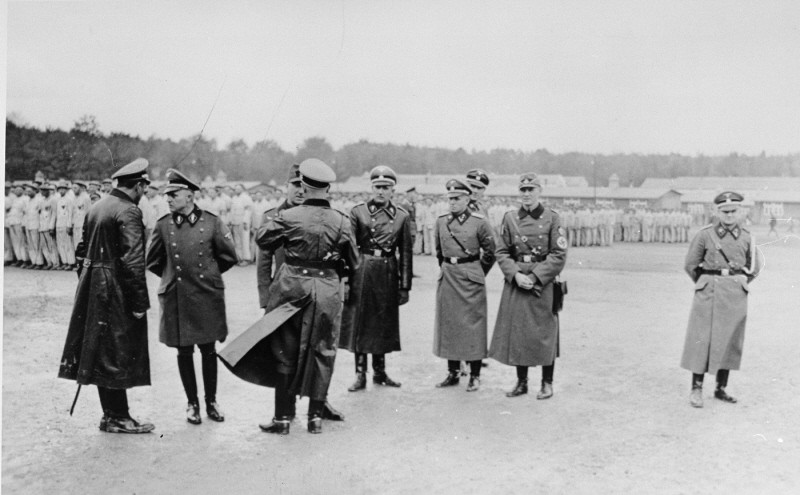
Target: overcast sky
{"x": 599, "y": 77}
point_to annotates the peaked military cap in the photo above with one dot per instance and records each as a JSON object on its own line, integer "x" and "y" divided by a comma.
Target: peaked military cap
{"x": 294, "y": 174}
{"x": 457, "y": 188}
{"x": 80, "y": 183}
{"x": 32, "y": 185}
{"x": 316, "y": 174}
{"x": 382, "y": 176}
{"x": 529, "y": 180}
{"x": 177, "y": 181}
{"x": 62, "y": 184}
{"x": 478, "y": 178}
{"x": 47, "y": 187}
{"x": 136, "y": 169}
{"x": 107, "y": 180}
{"x": 729, "y": 198}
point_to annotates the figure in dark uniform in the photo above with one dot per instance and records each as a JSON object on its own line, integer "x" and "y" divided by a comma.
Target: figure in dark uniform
{"x": 465, "y": 250}
{"x": 107, "y": 338}
{"x": 190, "y": 249}
{"x": 269, "y": 261}
{"x": 722, "y": 261}
{"x": 531, "y": 252}
{"x": 478, "y": 181}
{"x": 371, "y": 318}
{"x": 293, "y": 347}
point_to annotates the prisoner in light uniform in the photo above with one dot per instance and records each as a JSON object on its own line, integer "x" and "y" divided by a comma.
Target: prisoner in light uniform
{"x": 80, "y": 208}
{"x": 722, "y": 261}
{"x": 64, "y": 212}
{"x": 371, "y": 317}
{"x": 30, "y": 221}
{"x": 8, "y": 246}
{"x": 47, "y": 226}
{"x": 15, "y": 224}
{"x": 531, "y": 252}
{"x": 190, "y": 250}
{"x": 295, "y": 349}
{"x": 241, "y": 216}
{"x": 465, "y": 251}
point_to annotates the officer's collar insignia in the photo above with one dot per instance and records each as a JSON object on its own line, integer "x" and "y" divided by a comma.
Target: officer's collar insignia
{"x": 388, "y": 207}
{"x": 192, "y": 217}
{"x": 735, "y": 231}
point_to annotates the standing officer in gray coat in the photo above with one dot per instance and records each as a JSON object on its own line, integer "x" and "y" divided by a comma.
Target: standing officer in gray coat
{"x": 190, "y": 249}
{"x": 465, "y": 249}
{"x": 531, "y": 252}
{"x": 371, "y": 317}
{"x": 722, "y": 261}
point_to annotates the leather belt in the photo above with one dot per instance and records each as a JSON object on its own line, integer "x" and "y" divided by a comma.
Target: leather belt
{"x": 453, "y": 260}
{"x": 530, "y": 258}
{"x": 87, "y": 263}
{"x": 313, "y": 264}
{"x": 725, "y": 272}
{"x": 379, "y": 253}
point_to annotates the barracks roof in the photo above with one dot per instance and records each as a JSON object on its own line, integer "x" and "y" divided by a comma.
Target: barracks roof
{"x": 725, "y": 183}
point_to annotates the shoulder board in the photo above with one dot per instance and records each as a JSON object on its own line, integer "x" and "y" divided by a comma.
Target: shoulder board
{"x": 209, "y": 213}
{"x": 401, "y": 209}
{"x": 553, "y": 211}
{"x": 444, "y": 215}
{"x": 360, "y": 203}
{"x": 477, "y": 215}
{"x": 165, "y": 215}
{"x": 744, "y": 229}
{"x": 707, "y": 226}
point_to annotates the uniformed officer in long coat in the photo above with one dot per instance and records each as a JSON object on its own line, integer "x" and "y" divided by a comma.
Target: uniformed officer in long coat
{"x": 722, "y": 261}
{"x": 190, "y": 249}
{"x": 293, "y": 347}
{"x": 465, "y": 249}
{"x": 531, "y": 252}
{"x": 371, "y": 318}
{"x": 106, "y": 342}
{"x": 269, "y": 261}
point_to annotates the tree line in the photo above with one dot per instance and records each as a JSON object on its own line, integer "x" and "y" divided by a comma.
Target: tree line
{"x": 85, "y": 152}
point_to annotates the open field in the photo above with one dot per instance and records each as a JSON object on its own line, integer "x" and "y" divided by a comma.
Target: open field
{"x": 619, "y": 421}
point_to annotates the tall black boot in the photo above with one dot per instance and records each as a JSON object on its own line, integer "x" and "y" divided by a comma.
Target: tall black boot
{"x": 474, "y": 376}
{"x": 379, "y": 375}
{"x": 361, "y": 373}
{"x": 209, "y": 358}
{"x": 189, "y": 380}
{"x": 522, "y": 382}
{"x": 696, "y": 395}
{"x": 722, "y": 382}
{"x": 315, "y": 408}
{"x": 452, "y": 375}
{"x": 284, "y": 408}
{"x": 547, "y": 382}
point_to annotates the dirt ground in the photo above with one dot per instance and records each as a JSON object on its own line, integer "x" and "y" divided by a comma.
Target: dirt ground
{"x": 619, "y": 421}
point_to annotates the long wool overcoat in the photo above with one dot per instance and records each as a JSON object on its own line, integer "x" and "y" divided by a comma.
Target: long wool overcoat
{"x": 371, "y": 317}
{"x": 460, "y": 325}
{"x": 106, "y": 345}
{"x": 715, "y": 334}
{"x": 526, "y": 331}
{"x": 298, "y": 336}
{"x": 190, "y": 258}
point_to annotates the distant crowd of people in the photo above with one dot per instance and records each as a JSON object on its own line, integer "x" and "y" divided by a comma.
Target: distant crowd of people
{"x": 44, "y": 221}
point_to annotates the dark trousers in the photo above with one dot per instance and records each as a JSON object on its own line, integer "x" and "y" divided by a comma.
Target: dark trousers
{"x": 378, "y": 363}
{"x": 186, "y": 369}
{"x": 285, "y": 401}
{"x": 474, "y": 367}
{"x": 114, "y": 402}
{"x": 547, "y": 373}
{"x": 722, "y": 379}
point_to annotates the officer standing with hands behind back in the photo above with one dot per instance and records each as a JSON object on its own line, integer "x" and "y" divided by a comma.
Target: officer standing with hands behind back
{"x": 190, "y": 249}
{"x": 465, "y": 250}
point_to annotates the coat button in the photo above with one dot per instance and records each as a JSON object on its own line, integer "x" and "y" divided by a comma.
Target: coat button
{"x": 201, "y": 275}
{"x": 178, "y": 268}
{"x": 201, "y": 242}
{"x": 200, "y": 253}
{"x": 321, "y": 274}
{"x": 200, "y": 264}
{"x": 174, "y": 244}
{"x": 305, "y": 272}
{"x": 179, "y": 279}
{"x": 172, "y": 233}
{"x": 176, "y": 255}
